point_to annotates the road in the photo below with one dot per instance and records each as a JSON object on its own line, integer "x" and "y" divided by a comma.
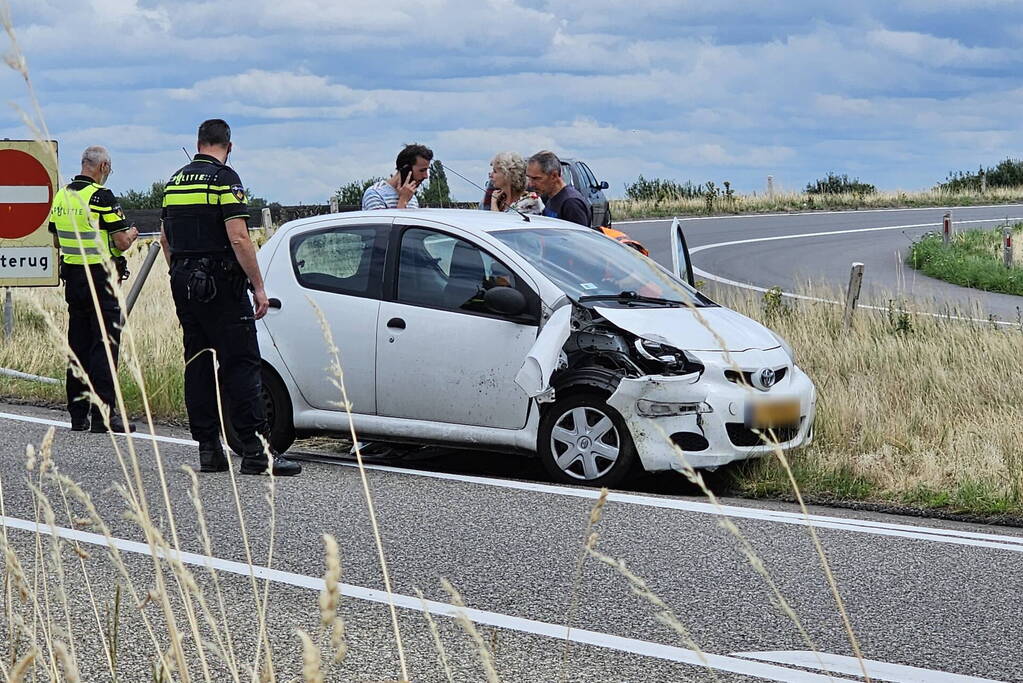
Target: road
{"x": 927, "y": 601}
{"x": 791, "y": 250}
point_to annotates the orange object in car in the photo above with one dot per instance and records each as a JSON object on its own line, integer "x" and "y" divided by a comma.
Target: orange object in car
{"x": 620, "y": 236}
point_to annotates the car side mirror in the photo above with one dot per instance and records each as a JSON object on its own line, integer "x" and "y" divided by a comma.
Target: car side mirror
{"x": 604, "y": 185}
{"x": 505, "y": 301}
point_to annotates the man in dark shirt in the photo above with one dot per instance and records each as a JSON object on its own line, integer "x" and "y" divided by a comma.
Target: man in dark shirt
{"x": 560, "y": 200}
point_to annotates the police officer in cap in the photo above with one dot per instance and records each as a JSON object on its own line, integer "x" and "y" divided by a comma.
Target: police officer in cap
{"x": 91, "y": 233}
{"x": 212, "y": 262}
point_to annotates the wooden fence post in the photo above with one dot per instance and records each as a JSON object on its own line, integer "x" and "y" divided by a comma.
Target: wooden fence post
{"x": 852, "y": 296}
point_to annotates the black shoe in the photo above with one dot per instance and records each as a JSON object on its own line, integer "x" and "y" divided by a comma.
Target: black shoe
{"x": 79, "y": 425}
{"x": 211, "y": 457}
{"x": 257, "y": 464}
{"x": 116, "y": 426}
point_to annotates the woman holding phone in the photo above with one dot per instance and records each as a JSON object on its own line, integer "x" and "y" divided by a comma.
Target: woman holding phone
{"x": 508, "y": 176}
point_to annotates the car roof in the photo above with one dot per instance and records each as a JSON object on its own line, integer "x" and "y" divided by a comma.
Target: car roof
{"x": 474, "y": 220}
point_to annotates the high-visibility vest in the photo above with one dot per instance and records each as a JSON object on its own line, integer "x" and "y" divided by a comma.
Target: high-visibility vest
{"x": 82, "y": 242}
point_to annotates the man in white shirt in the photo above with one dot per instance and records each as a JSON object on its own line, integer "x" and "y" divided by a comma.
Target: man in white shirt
{"x": 399, "y": 191}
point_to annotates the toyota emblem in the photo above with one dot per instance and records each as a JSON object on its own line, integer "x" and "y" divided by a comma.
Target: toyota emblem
{"x": 764, "y": 379}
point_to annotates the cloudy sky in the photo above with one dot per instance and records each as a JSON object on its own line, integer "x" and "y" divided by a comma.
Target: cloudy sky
{"x": 321, "y": 92}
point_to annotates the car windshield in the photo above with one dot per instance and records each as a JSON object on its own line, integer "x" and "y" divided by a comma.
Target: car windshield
{"x": 589, "y": 266}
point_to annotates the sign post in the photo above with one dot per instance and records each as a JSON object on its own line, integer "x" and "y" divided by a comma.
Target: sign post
{"x": 28, "y": 180}
{"x": 946, "y": 227}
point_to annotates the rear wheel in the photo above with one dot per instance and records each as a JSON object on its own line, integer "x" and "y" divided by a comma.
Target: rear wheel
{"x": 583, "y": 440}
{"x": 277, "y": 407}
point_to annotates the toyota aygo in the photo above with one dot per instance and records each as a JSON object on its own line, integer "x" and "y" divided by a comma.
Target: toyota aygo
{"x": 512, "y": 333}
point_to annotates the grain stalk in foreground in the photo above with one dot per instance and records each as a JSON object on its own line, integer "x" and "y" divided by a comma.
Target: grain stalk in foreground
{"x": 338, "y": 380}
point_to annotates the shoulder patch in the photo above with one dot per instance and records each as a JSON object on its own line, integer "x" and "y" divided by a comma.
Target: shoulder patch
{"x": 239, "y": 192}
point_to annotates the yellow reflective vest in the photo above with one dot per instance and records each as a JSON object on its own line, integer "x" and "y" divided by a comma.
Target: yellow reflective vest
{"x": 80, "y": 225}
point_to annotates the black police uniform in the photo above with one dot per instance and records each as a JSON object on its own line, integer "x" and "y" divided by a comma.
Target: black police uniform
{"x": 209, "y": 289}
{"x": 86, "y": 326}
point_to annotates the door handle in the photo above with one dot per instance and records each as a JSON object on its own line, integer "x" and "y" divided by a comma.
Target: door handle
{"x": 274, "y": 302}
{"x": 396, "y": 324}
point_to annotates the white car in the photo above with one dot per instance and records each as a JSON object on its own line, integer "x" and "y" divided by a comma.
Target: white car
{"x": 503, "y": 332}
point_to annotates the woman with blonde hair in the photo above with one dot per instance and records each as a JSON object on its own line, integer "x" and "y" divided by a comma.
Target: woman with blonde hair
{"x": 508, "y": 176}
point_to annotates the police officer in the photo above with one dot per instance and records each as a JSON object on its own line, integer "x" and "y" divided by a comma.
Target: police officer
{"x": 212, "y": 261}
{"x": 90, "y": 231}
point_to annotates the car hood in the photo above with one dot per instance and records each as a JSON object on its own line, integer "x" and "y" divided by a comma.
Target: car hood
{"x": 680, "y": 327}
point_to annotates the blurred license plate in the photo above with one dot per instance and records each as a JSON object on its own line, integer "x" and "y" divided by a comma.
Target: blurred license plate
{"x": 772, "y": 414}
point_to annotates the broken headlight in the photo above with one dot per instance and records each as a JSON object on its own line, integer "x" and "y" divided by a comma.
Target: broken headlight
{"x": 672, "y": 358}
{"x": 648, "y": 408}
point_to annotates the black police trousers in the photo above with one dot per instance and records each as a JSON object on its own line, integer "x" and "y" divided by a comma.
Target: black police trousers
{"x": 224, "y": 325}
{"x": 85, "y": 339}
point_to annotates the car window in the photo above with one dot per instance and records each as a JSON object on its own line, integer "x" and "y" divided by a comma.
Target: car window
{"x": 345, "y": 260}
{"x": 591, "y": 180}
{"x": 566, "y": 174}
{"x": 441, "y": 271}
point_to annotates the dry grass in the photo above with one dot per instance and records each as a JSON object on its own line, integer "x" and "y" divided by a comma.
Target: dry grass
{"x": 623, "y": 209}
{"x": 913, "y": 408}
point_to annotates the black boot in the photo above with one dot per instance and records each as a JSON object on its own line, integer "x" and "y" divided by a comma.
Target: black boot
{"x": 211, "y": 457}
{"x": 79, "y": 424}
{"x": 257, "y": 463}
{"x": 117, "y": 426}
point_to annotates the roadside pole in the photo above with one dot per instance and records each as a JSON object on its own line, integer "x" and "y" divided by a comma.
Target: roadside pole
{"x": 140, "y": 279}
{"x": 268, "y": 222}
{"x": 333, "y": 204}
{"x": 852, "y": 295}
{"x": 770, "y": 187}
{"x": 8, "y": 314}
{"x": 946, "y": 228}
{"x": 1007, "y": 246}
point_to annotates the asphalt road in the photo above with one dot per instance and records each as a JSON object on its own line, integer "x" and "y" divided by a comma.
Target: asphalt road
{"x": 790, "y": 251}
{"x": 926, "y": 600}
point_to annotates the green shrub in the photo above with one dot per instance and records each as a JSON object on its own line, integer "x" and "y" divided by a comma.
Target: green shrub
{"x": 664, "y": 190}
{"x": 971, "y": 259}
{"x": 1008, "y": 173}
{"x": 839, "y": 184}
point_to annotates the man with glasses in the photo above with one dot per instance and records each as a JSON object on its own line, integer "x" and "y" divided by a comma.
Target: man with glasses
{"x": 92, "y": 233}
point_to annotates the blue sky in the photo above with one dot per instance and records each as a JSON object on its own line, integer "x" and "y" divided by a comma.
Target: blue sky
{"x": 318, "y": 93}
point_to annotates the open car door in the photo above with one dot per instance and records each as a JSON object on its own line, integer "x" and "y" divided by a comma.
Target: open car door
{"x": 681, "y": 262}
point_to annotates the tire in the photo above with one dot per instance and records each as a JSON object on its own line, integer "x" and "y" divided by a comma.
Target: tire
{"x": 608, "y": 221}
{"x": 603, "y": 454}
{"x": 277, "y": 406}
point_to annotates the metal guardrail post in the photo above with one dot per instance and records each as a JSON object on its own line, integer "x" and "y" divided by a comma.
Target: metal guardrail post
{"x": 140, "y": 279}
{"x": 8, "y": 314}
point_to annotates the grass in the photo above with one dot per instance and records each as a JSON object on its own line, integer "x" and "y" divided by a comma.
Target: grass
{"x": 623, "y": 209}
{"x": 912, "y": 409}
{"x": 973, "y": 258}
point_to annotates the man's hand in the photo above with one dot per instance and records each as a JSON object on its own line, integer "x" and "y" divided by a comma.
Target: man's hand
{"x": 262, "y": 304}
{"x": 406, "y": 192}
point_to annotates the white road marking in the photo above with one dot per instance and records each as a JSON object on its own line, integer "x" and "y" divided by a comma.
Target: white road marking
{"x": 792, "y": 295}
{"x": 24, "y": 194}
{"x": 813, "y": 213}
{"x": 853, "y": 525}
{"x": 506, "y": 621}
{"x": 879, "y": 671}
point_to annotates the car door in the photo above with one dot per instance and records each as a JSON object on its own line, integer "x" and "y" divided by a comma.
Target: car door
{"x": 339, "y": 268}
{"x": 595, "y": 195}
{"x": 441, "y": 356}
{"x": 681, "y": 261}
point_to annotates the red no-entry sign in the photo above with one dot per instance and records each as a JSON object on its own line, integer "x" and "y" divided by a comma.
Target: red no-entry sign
{"x": 25, "y": 194}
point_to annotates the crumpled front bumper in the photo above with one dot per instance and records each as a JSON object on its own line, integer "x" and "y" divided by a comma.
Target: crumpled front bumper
{"x": 727, "y": 401}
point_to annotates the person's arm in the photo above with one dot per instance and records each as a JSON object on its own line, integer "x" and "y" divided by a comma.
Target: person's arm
{"x": 235, "y": 213}
{"x": 245, "y": 252}
{"x": 111, "y": 219}
{"x": 165, "y": 244}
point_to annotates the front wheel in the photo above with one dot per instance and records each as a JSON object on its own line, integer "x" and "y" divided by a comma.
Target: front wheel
{"x": 277, "y": 408}
{"x": 583, "y": 440}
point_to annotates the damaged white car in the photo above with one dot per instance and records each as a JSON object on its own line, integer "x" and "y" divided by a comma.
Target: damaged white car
{"x": 501, "y": 332}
